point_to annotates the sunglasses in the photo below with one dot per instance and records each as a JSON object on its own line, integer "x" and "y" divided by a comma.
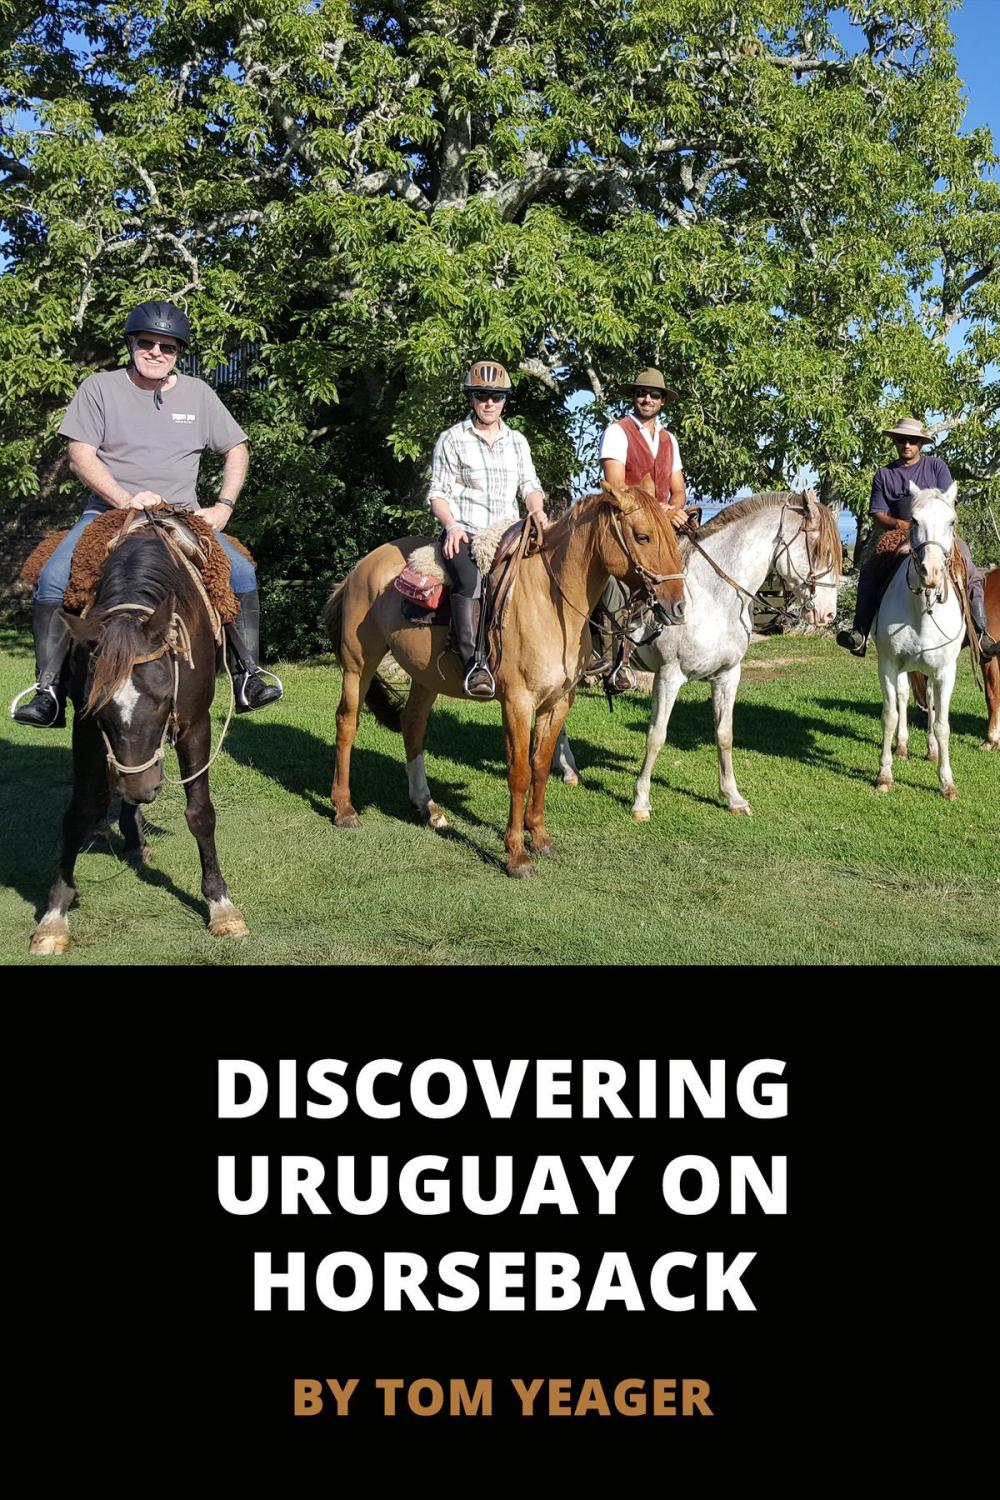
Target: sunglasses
{"x": 488, "y": 395}
{"x": 149, "y": 344}
{"x": 650, "y": 395}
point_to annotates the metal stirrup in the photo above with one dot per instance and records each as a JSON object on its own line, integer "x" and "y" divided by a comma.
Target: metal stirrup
{"x": 260, "y": 672}
{"x": 36, "y": 687}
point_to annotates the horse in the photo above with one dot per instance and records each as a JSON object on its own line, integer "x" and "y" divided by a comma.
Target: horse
{"x": 620, "y": 532}
{"x": 921, "y": 627}
{"x": 792, "y": 535}
{"x": 142, "y": 670}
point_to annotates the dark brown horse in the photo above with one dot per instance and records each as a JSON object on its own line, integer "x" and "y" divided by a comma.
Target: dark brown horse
{"x": 619, "y": 533}
{"x": 142, "y": 671}
{"x": 991, "y": 669}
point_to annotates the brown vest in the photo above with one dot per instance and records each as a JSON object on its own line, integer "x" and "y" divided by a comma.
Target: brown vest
{"x": 639, "y": 461}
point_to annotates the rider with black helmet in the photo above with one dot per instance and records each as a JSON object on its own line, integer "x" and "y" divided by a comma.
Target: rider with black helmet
{"x": 136, "y": 436}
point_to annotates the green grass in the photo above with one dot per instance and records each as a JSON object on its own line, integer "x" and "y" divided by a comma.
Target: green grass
{"x": 825, "y": 872}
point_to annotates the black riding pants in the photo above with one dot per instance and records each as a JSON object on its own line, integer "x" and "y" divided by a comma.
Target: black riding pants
{"x": 462, "y": 571}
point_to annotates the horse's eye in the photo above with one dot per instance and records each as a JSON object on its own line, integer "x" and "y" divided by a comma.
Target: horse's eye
{"x": 640, "y": 537}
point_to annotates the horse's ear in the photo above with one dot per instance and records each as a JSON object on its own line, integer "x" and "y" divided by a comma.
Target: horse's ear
{"x": 84, "y": 631}
{"x": 951, "y": 493}
{"x": 613, "y": 492}
{"x": 156, "y": 625}
{"x": 914, "y": 489}
{"x": 648, "y": 486}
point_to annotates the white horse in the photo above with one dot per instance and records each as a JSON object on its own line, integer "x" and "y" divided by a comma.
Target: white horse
{"x": 920, "y": 628}
{"x": 793, "y": 535}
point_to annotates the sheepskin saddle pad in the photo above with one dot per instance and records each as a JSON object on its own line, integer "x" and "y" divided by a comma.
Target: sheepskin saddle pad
{"x": 429, "y": 561}
{"x": 193, "y": 535}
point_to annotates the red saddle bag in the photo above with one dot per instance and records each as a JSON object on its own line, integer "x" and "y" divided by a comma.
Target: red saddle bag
{"x": 419, "y": 587}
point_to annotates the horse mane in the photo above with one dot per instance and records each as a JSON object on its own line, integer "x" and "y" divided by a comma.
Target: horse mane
{"x": 829, "y": 554}
{"x": 142, "y": 570}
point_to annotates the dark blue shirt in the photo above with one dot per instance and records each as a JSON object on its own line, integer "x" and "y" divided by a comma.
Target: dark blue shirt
{"x": 891, "y": 485}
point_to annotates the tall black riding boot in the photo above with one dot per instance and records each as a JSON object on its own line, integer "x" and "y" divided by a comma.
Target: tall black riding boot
{"x": 977, "y": 609}
{"x": 47, "y": 709}
{"x": 243, "y": 639}
{"x": 477, "y": 677}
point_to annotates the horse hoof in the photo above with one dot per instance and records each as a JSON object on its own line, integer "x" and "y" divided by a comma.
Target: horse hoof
{"x": 932, "y": 756}
{"x": 641, "y": 814}
{"x": 225, "y": 920}
{"x": 882, "y": 786}
{"x": 435, "y": 816}
{"x": 990, "y": 745}
{"x": 546, "y": 850}
{"x": 49, "y": 942}
{"x": 741, "y": 810}
{"x": 570, "y": 778}
{"x": 520, "y": 871}
{"x": 347, "y": 820}
{"x": 949, "y": 793}
{"x": 902, "y": 752}
{"x": 138, "y": 857}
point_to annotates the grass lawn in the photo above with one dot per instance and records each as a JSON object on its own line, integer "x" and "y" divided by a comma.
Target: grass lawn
{"x": 825, "y": 872}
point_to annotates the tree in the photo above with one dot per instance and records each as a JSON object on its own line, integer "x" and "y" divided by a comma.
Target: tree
{"x": 372, "y": 195}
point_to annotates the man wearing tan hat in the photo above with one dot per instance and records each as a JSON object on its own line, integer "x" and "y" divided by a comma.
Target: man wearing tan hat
{"x": 891, "y": 509}
{"x": 639, "y": 444}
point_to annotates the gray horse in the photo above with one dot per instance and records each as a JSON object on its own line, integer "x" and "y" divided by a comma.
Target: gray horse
{"x": 792, "y": 535}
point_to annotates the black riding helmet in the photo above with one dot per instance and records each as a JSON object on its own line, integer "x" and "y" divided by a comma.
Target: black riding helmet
{"x": 159, "y": 317}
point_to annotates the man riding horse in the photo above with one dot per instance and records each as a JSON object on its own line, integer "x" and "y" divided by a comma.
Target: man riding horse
{"x": 479, "y": 468}
{"x": 634, "y": 448}
{"x": 890, "y": 509}
{"x": 136, "y": 436}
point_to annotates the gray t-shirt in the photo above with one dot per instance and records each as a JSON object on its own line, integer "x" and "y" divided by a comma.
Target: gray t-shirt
{"x": 150, "y": 447}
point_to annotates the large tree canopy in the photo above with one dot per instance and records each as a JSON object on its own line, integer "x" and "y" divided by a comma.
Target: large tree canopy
{"x": 791, "y": 225}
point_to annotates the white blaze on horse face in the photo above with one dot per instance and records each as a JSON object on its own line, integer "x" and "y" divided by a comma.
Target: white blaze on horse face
{"x": 125, "y": 700}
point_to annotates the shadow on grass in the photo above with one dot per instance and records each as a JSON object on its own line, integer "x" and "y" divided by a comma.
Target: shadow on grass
{"x": 38, "y": 787}
{"x": 961, "y": 723}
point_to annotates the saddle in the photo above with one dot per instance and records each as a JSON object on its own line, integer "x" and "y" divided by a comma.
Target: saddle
{"x": 191, "y": 535}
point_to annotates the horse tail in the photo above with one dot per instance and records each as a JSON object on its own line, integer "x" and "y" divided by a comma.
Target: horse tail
{"x": 386, "y": 704}
{"x": 333, "y": 616}
{"x": 384, "y": 701}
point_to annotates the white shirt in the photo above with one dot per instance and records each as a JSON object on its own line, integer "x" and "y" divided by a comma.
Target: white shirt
{"x": 481, "y": 481}
{"x": 614, "y": 443}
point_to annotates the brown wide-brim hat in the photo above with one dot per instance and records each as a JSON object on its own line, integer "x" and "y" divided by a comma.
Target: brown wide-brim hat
{"x": 654, "y": 380}
{"x": 909, "y": 427}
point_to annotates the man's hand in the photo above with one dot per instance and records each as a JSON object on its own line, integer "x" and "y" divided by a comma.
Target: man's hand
{"x": 540, "y": 519}
{"x": 677, "y": 516}
{"x": 454, "y": 540}
{"x": 215, "y": 515}
{"x": 144, "y": 500}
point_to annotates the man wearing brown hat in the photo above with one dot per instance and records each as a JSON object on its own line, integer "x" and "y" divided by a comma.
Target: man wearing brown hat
{"x": 891, "y": 509}
{"x": 639, "y": 444}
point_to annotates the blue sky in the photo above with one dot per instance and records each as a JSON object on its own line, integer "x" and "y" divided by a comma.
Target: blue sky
{"x": 977, "y": 45}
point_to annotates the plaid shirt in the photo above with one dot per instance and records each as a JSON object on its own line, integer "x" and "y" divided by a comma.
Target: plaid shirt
{"x": 481, "y": 481}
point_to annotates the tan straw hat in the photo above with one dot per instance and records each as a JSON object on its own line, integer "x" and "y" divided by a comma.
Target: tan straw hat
{"x": 654, "y": 380}
{"x": 909, "y": 427}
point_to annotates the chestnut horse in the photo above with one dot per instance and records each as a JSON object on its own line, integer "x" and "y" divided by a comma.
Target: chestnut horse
{"x": 620, "y": 533}
{"x": 991, "y": 672}
{"x": 143, "y": 668}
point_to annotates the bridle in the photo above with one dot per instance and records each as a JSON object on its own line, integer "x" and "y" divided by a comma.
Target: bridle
{"x": 941, "y": 592}
{"x": 810, "y": 580}
{"x": 176, "y": 643}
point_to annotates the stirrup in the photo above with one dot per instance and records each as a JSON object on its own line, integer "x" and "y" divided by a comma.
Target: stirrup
{"x": 36, "y": 687}
{"x": 621, "y": 680}
{"x": 485, "y": 690}
{"x": 990, "y": 652}
{"x": 243, "y": 704}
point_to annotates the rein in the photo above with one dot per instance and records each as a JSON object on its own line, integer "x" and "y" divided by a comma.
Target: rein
{"x": 810, "y": 579}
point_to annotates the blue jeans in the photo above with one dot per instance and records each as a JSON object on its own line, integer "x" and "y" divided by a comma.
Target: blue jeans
{"x": 54, "y": 577}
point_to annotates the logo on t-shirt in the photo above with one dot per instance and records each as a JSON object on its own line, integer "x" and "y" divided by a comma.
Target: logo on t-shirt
{"x": 183, "y": 416}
